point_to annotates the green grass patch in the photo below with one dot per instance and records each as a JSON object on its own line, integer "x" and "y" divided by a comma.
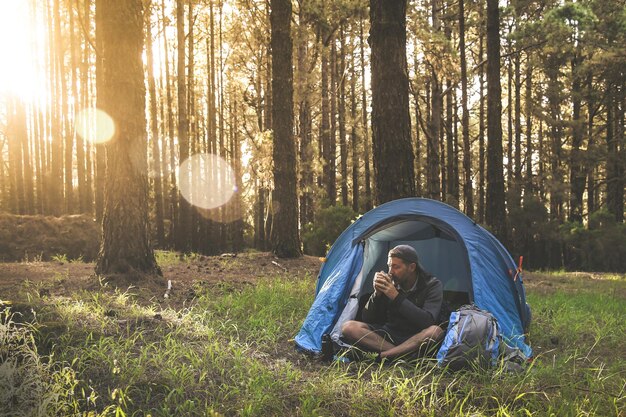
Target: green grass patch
{"x": 230, "y": 352}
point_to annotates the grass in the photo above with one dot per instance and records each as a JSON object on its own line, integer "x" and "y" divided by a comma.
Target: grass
{"x": 103, "y": 353}
{"x": 166, "y": 258}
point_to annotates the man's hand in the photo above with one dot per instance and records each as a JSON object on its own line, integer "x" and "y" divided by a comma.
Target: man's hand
{"x": 384, "y": 285}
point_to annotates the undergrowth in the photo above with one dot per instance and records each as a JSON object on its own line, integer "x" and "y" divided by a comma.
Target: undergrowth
{"x": 230, "y": 352}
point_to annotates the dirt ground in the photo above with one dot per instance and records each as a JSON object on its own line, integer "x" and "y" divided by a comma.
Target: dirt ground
{"x": 238, "y": 270}
{"x": 61, "y": 279}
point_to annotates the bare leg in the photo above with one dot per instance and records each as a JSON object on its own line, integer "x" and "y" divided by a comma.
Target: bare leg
{"x": 359, "y": 333}
{"x": 431, "y": 334}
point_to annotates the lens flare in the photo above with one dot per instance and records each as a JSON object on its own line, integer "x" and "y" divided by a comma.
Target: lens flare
{"x": 206, "y": 181}
{"x": 95, "y": 125}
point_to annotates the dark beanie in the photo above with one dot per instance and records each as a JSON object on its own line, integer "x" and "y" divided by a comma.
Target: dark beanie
{"x": 404, "y": 252}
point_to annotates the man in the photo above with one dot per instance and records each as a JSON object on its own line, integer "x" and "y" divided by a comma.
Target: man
{"x": 401, "y": 315}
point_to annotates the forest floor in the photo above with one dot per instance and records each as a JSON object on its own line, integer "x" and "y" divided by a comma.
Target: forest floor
{"x": 61, "y": 277}
{"x": 221, "y": 343}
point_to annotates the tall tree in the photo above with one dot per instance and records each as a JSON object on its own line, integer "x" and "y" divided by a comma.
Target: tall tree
{"x": 468, "y": 194}
{"x": 343, "y": 145}
{"x": 154, "y": 139}
{"x": 481, "y": 120}
{"x": 391, "y": 124}
{"x": 17, "y": 135}
{"x": 433, "y": 171}
{"x": 184, "y": 218}
{"x": 100, "y": 162}
{"x": 305, "y": 126}
{"x": 285, "y": 236}
{"x": 528, "y": 187}
{"x": 369, "y": 200}
{"x": 125, "y": 244}
{"x": 495, "y": 214}
{"x": 354, "y": 138}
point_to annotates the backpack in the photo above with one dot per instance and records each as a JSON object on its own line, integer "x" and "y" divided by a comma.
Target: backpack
{"x": 472, "y": 340}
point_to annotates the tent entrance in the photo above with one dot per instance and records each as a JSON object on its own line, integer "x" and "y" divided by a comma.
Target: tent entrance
{"x": 441, "y": 252}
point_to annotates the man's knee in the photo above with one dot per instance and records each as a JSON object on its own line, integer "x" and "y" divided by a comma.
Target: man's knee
{"x": 351, "y": 329}
{"x": 433, "y": 333}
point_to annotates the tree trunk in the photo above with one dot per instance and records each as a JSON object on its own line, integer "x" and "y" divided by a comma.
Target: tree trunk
{"x": 238, "y": 224}
{"x": 468, "y": 189}
{"x": 157, "y": 169}
{"x": 529, "y": 129}
{"x": 305, "y": 127}
{"x": 86, "y": 195}
{"x": 325, "y": 127}
{"x": 285, "y": 235}
{"x": 614, "y": 180}
{"x": 80, "y": 144}
{"x": 554, "y": 100}
{"x": 517, "y": 114}
{"x": 184, "y": 218}
{"x": 17, "y": 134}
{"x": 577, "y": 172}
{"x": 354, "y": 137}
{"x": 495, "y": 213}
{"x": 369, "y": 200}
{"x": 452, "y": 188}
{"x": 541, "y": 157}
{"x": 481, "y": 123}
{"x": 172, "y": 192}
{"x": 39, "y": 148}
{"x": 451, "y": 192}
{"x": 55, "y": 184}
{"x": 332, "y": 150}
{"x": 343, "y": 145}
{"x": 433, "y": 171}
{"x": 125, "y": 244}
{"x": 509, "y": 120}
{"x": 620, "y": 111}
{"x": 391, "y": 124}
{"x": 591, "y": 144}
{"x": 67, "y": 142}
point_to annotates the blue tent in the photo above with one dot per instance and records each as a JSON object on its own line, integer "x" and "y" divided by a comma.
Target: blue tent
{"x": 471, "y": 263}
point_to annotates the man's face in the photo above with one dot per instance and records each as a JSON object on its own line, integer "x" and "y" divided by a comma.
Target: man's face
{"x": 400, "y": 271}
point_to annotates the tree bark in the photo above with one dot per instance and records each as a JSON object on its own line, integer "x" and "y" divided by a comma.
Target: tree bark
{"x": 369, "y": 199}
{"x": 517, "y": 115}
{"x": 591, "y": 144}
{"x": 332, "y": 144}
{"x": 481, "y": 123}
{"x": 172, "y": 194}
{"x": 157, "y": 169}
{"x": 354, "y": 137}
{"x": 305, "y": 127}
{"x": 614, "y": 180}
{"x": 554, "y": 101}
{"x": 577, "y": 172}
{"x": 391, "y": 124}
{"x": 343, "y": 144}
{"x": 495, "y": 214}
{"x": 184, "y": 219}
{"x": 125, "y": 244}
{"x": 285, "y": 235}
{"x": 55, "y": 180}
{"x": 66, "y": 141}
{"x": 17, "y": 135}
{"x": 468, "y": 189}
{"x": 325, "y": 131}
{"x": 433, "y": 171}
{"x": 529, "y": 129}
{"x": 80, "y": 144}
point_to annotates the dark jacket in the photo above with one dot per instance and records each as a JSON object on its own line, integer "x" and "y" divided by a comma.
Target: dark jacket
{"x": 411, "y": 311}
